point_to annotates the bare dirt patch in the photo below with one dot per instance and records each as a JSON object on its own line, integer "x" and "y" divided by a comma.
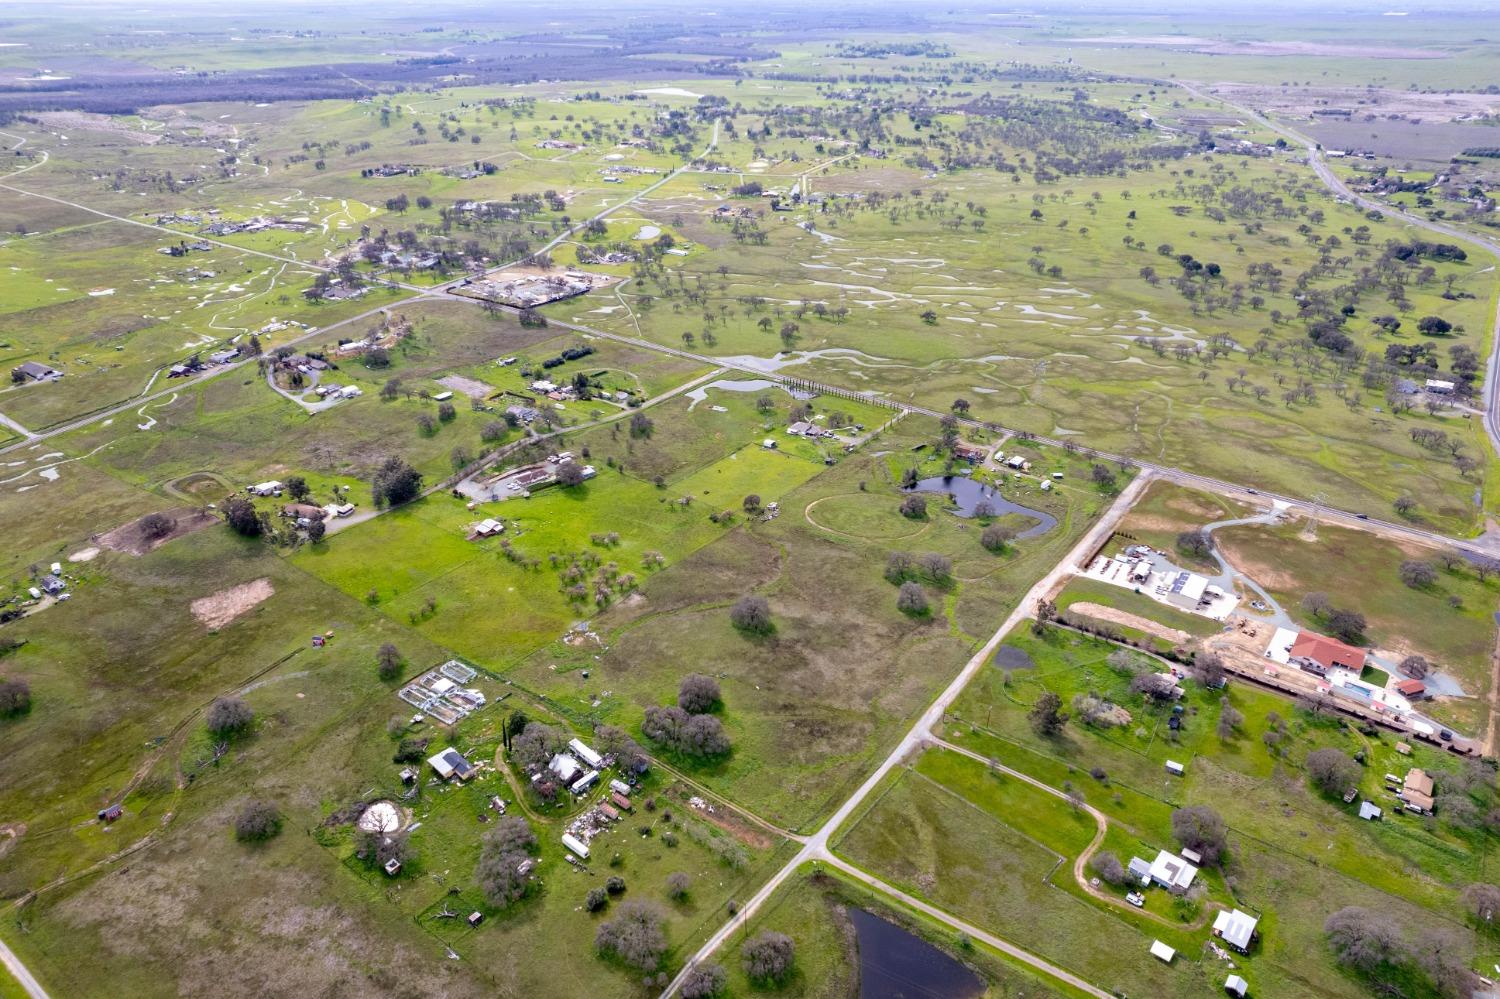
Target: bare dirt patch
{"x": 1263, "y": 573}
{"x": 470, "y": 387}
{"x": 132, "y": 538}
{"x": 1126, "y": 619}
{"x": 76, "y": 121}
{"x": 223, "y": 607}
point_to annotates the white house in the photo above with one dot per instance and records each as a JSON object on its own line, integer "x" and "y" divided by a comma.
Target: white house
{"x": 1172, "y": 872}
{"x": 566, "y": 768}
{"x": 1235, "y": 928}
{"x": 585, "y": 753}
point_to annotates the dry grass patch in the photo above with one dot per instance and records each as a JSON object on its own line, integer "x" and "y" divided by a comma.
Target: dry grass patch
{"x": 221, "y": 608}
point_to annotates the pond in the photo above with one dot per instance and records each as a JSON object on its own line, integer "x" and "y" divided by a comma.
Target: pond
{"x": 895, "y": 964}
{"x": 969, "y": 494}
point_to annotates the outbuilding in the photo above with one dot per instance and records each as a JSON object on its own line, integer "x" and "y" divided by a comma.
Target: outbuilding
{"x": 1369, "y": 811}
{"x": 1235, "y": 928}
{"x": 1237, "y": 986}
{"x": 1162, "y": 952}
{"x": 450, "y": 764}
{"x": 575, "y": 845}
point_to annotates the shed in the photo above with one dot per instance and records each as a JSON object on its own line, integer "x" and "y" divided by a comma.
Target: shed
{"x": 475, "y": 918}
{"x": 1192, "y": 855}
{"x": 1237, "y": 986}
{"x": 1411, "y": 689}
{"x": 621, "y": 802}
{"x": 1162, "y": 951}
{"x": 1175, "y": 769}
{"x": 618, "y": 786}
{"x": 1369, "y": 811}
{"x": 609, "y": 812}
{"x": 442, "y": 397}
{"x": 393, "y": 867}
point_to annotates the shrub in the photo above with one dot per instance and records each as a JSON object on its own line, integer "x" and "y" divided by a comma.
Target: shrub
{"x": 596, "y": 899}
{"x": 704, "y": 982}
{"x": 155, "y": 526}
{"x": 1418, "y": 574}
{"x": 678, "y": 884}
{"x": 15, "y": 698}
{"x": 1332, "y": 771}
{"x": 257, "y": 821}
{"x": 1200, "y": 828}
{"x": 502, "y": 860}
{"x": 229, "y": 716}
{"x": 240, "y": 515}
{"x": 697, "y": 693}
{"x": 769, "y": 956}
{"x": 997, "y": 537}
{"x": 1108, "y": 867}
{"x": 634, "y": 936}
{"x": 751, "y": 614}
{"x": 388, "y": 661}
{"x": 912, "y": 599}
{"x": 914, "y": 507}
{"x": 1195, "y": 544}
{"x": 615, "y": 885}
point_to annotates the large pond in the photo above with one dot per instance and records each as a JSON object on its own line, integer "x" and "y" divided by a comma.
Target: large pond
{"x": 968, "y": 494}
{"x": 895, "y": 964}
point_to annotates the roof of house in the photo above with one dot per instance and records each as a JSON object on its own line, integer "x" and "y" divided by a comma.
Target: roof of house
{"x": 1236, "y": 927}
{"x": 450, "y": 762}
{"x": 1419, "y": 781}
{"x": 35, "y": 369}
{"x": 1411, "y": 688}
{"x": 1327, "y": 652}
{"x": 565, "y": 767}
{"x": 1172, "y": 870}
{"x": 1139, "y": 867}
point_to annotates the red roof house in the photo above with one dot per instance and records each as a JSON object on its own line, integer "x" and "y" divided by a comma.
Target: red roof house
{"x": 1326, "y": 652}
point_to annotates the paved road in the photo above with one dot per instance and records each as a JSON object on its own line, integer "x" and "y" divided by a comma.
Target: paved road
{"x": 815, "y": 847}
{"x": 18, "y": 971}
{"x": 1334, "y": 183}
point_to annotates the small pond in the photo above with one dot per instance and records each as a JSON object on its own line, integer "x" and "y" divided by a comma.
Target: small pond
{"x": 895, "y": 964}
{"x": 969, "y": 494}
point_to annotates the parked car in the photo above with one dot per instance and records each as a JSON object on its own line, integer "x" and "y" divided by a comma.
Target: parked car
{"x": 1445, "y": 735}
{"x": 1136, "y": 899}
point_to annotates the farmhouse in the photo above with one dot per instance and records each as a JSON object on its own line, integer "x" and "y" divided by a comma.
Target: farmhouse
{"x": 269, "y": 488}
{"x": 450, "y": 764}
{"x": 1439, "y": 387}
{"x": 971, "y": 453}
{"x": 339, "y": 509}
{"x": 1416, "y": 791}
{"x": 1236, "y": 928}
{"x": 34, "y": 371}
{"x": 488, "y": 527}
{"x": 1172, "y": 872}
{"x": 1318, "y": 654}
{"x": 565, "y": 768}
{"x": 585, "y": 753}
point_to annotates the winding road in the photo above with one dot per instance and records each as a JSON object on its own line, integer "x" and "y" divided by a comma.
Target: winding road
{"x": 816, "y": 848}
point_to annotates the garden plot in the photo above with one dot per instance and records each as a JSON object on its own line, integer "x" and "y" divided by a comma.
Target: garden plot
{"x": 440, "y": 693}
